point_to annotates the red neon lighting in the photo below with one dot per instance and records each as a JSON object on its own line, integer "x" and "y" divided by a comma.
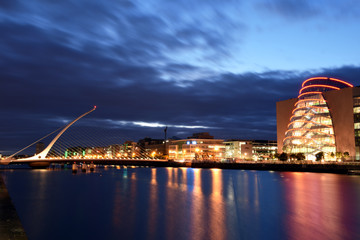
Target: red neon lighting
{"x": 308, "y": 129}
{"x": 314, "y": 78}
{"x": 309, "y": 99}
{"x": 338, "y": 80}
{"x": 325, "y": 78}
{"x": 306, "y": 107}
{"x": 310, "y": 139}
{"x": 309, "y": 122}
{"x": 309, "y": 93}
{"x": 319, "y": 85}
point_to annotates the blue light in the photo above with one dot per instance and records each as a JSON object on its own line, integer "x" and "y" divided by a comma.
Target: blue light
{"x": 193, "y": 142}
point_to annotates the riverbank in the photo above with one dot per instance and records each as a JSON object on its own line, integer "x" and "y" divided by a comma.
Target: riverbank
{"x": 339, "y": 168}
{"x": 10, "y": 225}
{"x": 333, "y": 167}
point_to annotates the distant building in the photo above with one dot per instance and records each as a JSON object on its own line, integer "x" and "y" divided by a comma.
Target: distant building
{"x": 129, "y": 149}
{"x": 153, "y": 147}
{"x": 113, "y": 150}
{"x": 325, "y": 117}
{"x": 250, "y": 149}
{"x": 75, "y": 152}
{"x": 202, "y": 135}
{"x": 40, "y": 146}
{"x": 264, "y": 149}
{"x": 238, "y": 149}
{"x": 197, "y": 149}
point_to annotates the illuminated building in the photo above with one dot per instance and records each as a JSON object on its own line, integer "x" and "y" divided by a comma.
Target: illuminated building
{"x": 323, "y": 118}
{"x": 196, "y": 148}
{"x": 250, "y": 149}
{"x": 264, "y": 149}
{"x": 150, "y": 145}
{"x": 238, "y": 149}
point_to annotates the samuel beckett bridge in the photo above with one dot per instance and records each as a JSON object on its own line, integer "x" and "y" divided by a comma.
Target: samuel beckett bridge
{"x": 85, "y": 147}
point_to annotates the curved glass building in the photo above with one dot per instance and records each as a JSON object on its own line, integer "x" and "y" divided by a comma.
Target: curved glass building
{"x": 311, "y": 126}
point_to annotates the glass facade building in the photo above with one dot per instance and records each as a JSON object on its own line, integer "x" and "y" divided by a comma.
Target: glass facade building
{"x": 311, "y": 128}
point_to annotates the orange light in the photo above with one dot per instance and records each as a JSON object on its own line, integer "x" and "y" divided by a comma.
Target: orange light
{"x": 309, "y": 93}
{"x": 310, "y": 139}
{"x": 308, "y": 122}
{"x": 319, "y": 85}
{"x": 314, "y": 78}
{"x": 307, "y": 130}
{"x": 325, "y": 78}
{"x": 309, "y": 99}
{"x": 310, "y": 115}
{"x": 338, "y": 80}
{"x": 306, "y": 107}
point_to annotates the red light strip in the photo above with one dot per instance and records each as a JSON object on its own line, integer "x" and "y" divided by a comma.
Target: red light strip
{"x": 309, "y": 99}
{"x": 309, "y": 93}
{"x": 314, "y": 78}
{"x": 301, "y": 116}
{"x": 307, "y": 129}
{"x": 325, "y": 78}
{"x": 309, "y": 122}
{"x": 306, "y": 107}
{"x": 338, "y": 80}
{"x": 312, "y": 140}
{"x": 318, "y": 85}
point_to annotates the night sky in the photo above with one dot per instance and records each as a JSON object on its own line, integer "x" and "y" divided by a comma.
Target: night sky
{"x": 195, "y": 66}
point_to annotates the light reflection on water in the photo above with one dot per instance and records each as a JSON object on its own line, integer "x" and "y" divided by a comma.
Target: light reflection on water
{"x": 184, "y": 203}
{"x": 323, "y": 207}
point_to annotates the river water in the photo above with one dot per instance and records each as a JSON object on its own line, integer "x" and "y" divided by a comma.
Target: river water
{"x": 184, "y": 203}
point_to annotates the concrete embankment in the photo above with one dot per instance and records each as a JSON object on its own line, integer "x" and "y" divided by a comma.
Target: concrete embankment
{"x": 292, "y": 167}
{"x": 334, "y": 167}
{"x": 10, "y": 225}
{"x": 341, "y": 168}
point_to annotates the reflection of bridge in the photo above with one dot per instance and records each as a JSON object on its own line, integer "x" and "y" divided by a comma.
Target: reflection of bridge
{"x": 43, "y": 159}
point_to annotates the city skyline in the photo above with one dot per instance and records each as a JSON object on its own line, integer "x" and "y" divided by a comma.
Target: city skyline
{"x": 211, "y": 66}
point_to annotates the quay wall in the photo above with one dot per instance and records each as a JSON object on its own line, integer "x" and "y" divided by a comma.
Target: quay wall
{"x": 341, "y": 168}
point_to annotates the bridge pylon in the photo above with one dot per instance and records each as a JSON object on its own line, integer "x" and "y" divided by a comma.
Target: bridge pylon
{"x": 42, "y": 155}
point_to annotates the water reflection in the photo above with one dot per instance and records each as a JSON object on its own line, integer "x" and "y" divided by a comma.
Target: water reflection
{"x": 185, "y": 203}
{"x": 197, "y": 207}
{"x": 320, "y": 207}
{"x": 217, "y": 210}
{"x": 153, "y": 206}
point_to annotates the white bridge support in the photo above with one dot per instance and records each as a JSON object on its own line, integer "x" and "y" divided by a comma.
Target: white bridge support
{"x": 42, "y": 155}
